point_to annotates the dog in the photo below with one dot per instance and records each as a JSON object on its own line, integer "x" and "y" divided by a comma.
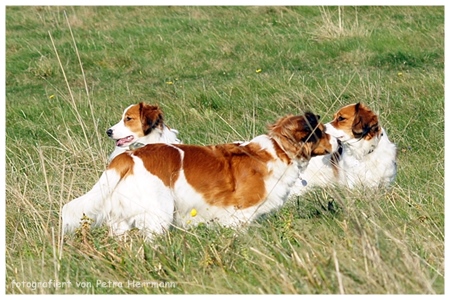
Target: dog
{"x": 141, "y": 124}
{"x": 159, "y": 185}
{"x": 365, "y": 157}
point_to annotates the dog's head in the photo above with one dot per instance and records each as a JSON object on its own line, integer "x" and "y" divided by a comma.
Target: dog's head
{"x": 303, "y": 137}
{"x": 138, "y": 120}
{"x": 354, "y": 121}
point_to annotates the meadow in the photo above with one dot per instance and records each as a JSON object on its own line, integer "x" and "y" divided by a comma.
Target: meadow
{"x": 223, "y": 74}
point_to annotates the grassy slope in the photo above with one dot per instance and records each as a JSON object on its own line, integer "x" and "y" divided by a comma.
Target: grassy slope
{"x": 200, "y": 65}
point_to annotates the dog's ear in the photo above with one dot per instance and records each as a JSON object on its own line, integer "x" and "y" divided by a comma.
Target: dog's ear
{"x": 297, "y": 128}
{"x": 296, "y": 133}
{"x": 290, "y": 128}
{"x": 151, "y": 117}
{"x": 365, "y": 122}
{"x": 310, "y": 126}
{"x": 282, "y": 127}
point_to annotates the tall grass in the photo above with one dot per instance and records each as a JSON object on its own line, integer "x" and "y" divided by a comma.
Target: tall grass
{"x": 222, "y": 74}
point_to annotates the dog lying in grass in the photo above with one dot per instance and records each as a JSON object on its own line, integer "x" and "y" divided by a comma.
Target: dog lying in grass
{"x": 366, "y": 158}
{"x": 157, "y": 185}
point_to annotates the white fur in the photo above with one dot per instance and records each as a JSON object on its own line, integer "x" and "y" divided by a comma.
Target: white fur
{"x": 363, "y": 163}
{"x": 318, "y": 173}
{"x": 123, "y": 204}
{"x": 366, "y": 163}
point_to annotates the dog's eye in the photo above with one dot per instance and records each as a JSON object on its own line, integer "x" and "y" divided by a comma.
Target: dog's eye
{"x": 128, "y": 119}
{"x": 340, "y": 118}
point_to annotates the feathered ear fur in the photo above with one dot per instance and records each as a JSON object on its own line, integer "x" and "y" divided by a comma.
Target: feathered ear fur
{"x": 310, "y": 125}
{"x": 295, "y": 132}
{"x": 151, "y": 117}
{"x": 365, "y": 123}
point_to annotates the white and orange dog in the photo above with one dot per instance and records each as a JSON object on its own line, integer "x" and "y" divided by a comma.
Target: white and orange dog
{"x": 157, "y": 185}
{"x": 366, "y": 157}
{"x": 141, "y": 124}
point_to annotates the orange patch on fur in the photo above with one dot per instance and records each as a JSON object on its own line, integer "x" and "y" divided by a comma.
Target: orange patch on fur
{"x": 161, "y": 160}
{"x": 280, "y": 153}
{"x": 132, "y": 120}
{"x": 227, "y": 175}
{"x": 142, "y": 118}
{"x": 123, "y": 164}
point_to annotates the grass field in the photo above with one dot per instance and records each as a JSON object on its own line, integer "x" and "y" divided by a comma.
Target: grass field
{"x": 222, "y": 74}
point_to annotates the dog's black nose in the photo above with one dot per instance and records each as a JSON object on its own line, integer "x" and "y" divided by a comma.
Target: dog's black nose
{"x": 109, "y": 132}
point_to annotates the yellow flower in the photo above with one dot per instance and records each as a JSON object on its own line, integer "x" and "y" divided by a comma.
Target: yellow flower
{"x": 258, "y": 71}
{"x": 51, "y": 96}
{"x": 399, "y": 74}
{"x": 169, "y": 82}
{"x": 193, "y": 212}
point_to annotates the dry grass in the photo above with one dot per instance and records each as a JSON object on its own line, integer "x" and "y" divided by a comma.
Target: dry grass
{"x": 389, "y": 242}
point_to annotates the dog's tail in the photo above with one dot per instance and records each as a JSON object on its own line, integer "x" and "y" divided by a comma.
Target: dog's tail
{"x": 94, "y": 207}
